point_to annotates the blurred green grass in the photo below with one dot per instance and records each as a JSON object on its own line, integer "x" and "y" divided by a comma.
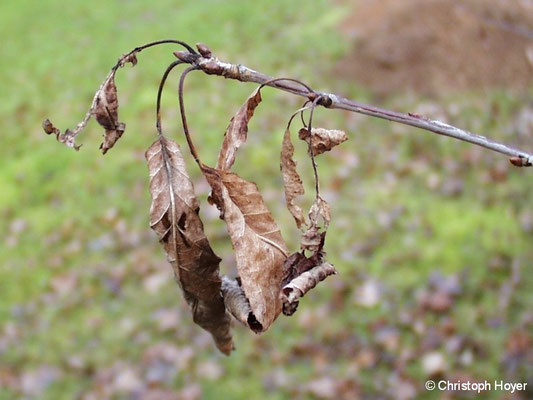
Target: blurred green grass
{"x": 77, "y": 254}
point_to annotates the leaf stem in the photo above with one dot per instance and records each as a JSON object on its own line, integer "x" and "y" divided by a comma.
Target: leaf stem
{"x": 274, "y": 80}
{"x": 159, "y": 93}
{"x": 311, "y": 152}
{"x": 184, "y": 117}
{"x": 151, "y": 44}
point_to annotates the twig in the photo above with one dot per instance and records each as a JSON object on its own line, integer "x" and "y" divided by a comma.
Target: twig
{"x": 213, "y": 66}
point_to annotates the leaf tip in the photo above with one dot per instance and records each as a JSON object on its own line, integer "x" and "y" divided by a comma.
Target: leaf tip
{"x": 48, "y": 127}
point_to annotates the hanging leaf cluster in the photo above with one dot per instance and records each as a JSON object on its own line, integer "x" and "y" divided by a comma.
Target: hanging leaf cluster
{"x": 271, "y": 280}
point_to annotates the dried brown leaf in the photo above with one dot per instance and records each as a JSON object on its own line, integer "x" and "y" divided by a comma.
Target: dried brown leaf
{"x": 300, "y": 285}
{"x": 292, "y": 182}
{"x": 174, "y": 217}
{"x": 320, "y": 210}
{"x": 313, "y": 239}
{"x": 106, "y": 113}
{"x": 259, "y": 247}
{"x": 128, "y": 58}
{"x": 67, "y": 138}
{"x": 296, "y": 264}
{"x": 323, "y": 139}
{"x": 237, "y": 131}
{"x": 237, "y": 303}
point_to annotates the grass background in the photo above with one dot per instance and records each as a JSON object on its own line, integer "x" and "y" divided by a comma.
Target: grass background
{"x": 86, "y": 296}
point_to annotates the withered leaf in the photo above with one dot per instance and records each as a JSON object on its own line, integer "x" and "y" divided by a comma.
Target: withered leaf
{"x": 292, "y": 182}
{"x": 297, "y": 263}
{"x": 237, "y": 303}
{"x": 259, "y": 247}
{"x": 237, "y": 131}
{"x": 174, "y": 217}
{"x": 128, "y": 58}
{"x": 300, "y": 285}
{"x": 67, "y": 138}
{"x": 106, "y": 113}
{"x": 313, "y": 238}
{"x": 320, "y": 209}
{"x": 323, "y": 139}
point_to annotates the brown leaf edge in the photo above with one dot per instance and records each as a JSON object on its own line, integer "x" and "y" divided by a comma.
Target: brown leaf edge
{"x": 174, "y": 216}
{"x": 237, "y": 131}
{"x": 105, "y": 112}
{"x": 260, "y": 250}
{"x": 292, "y": 183}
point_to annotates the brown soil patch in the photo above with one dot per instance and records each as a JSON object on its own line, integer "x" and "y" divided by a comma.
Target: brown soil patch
{"x": 433, "y": 45}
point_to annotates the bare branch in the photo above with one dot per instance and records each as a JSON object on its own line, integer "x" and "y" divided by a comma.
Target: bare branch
{"x": 213, "y": 66}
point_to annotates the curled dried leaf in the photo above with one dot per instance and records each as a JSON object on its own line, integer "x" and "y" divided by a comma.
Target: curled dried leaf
{"x": 174, "y": 216}
{"x": 297, "y": 263}
{"x": 237, "y": 303}
{"x": 67, "y": 138}
{"x": 237, "y": 131}
{"x": 313, "y": 239}
{"x": 106, "y": 113}
{"x": 320, "y": 210}
{"x": 292, "y": 182}
{"x": 104, "y": 107}
{"x": 128, "y": 58}
{"x": 260, "y": 250}
{"x": 302, "y": 284}
{"x": 322, "y": 139}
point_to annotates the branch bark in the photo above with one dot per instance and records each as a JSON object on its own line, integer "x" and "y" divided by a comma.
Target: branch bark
{"x": 211, "y": 65}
